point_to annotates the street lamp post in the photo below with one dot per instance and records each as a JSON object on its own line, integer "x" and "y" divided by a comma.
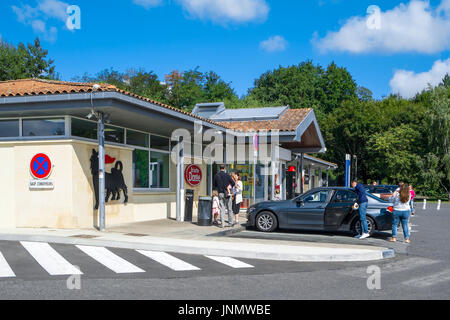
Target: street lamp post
{"x": 101, "y": 169}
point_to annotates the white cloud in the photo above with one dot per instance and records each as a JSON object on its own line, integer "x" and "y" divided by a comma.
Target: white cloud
{"x": 54, "y": 9}
{"x": 224, "y": 11}
{"x": 38, "y": 17}
{"x": 414, "y": 27}
{"x": 408, "y": 83}
{"x": 273, "y": 44}
{"x": 147, "y": 4}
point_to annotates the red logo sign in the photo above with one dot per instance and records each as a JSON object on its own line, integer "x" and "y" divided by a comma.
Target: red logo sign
{"x": 193, "y": 175}
{"x": 40, "y": 166}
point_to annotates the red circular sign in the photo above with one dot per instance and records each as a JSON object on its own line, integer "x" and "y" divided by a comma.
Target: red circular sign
{"x": 40, "y": 166}
{"x": 193, "y": 175}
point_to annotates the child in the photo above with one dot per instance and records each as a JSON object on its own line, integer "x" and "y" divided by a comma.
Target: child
{"x": 215, "y": 206}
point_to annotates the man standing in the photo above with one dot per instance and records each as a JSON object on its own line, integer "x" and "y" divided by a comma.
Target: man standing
{"x": 363, "y": 203}
{"x": 223, "y": 184}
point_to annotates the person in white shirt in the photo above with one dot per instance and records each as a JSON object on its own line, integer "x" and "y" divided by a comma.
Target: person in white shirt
{"x": 237, "y": 196}
{"x": 401, "y": 199}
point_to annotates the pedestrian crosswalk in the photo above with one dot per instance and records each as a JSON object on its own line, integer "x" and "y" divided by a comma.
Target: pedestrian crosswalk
{"x": 110, "y": 260}
{"x": 5, "y": 269}
{"x": 406, "y": 266}
{"x": 49, "y": 259}
{"x": 169, "y": 261}
{"x": 55, "y": 264}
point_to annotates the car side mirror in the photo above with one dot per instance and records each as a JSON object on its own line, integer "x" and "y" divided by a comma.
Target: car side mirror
{"x": 300, "y": 203}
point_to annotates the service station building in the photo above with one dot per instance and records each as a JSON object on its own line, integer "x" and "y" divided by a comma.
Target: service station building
{"x": 49, "y": 154}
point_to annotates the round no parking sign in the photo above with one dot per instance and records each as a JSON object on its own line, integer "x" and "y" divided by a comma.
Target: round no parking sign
{"x": 40, "y": 166}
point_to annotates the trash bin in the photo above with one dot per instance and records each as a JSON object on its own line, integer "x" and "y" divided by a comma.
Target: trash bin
{"x": 204, "y": 211}
{"x": 188, "y": 205}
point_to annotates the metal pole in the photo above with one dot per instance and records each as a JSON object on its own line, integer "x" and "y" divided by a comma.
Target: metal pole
{"x": 101, "y": 169}
{"x": 347, "y": 170}
{"x": 302, "y": 165}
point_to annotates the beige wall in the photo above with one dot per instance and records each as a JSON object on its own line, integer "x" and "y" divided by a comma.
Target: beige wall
{"x": 70, "y": 204}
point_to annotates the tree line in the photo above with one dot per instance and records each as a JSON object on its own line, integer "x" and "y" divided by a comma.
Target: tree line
{"x": 395, "y": 139}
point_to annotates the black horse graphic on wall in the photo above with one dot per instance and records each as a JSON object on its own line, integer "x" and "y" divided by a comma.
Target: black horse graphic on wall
{"x": 114, "y": 181}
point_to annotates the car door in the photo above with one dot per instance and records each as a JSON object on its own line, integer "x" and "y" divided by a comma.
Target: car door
{"x": 339, "y": 208}
{"x": 309, "y": 211}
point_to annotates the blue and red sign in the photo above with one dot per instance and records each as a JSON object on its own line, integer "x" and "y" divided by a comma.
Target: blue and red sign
{"x": 40, "y": 166}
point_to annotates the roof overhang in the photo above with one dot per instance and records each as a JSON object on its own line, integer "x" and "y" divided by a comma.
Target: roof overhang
{"x": 123, "y": 110}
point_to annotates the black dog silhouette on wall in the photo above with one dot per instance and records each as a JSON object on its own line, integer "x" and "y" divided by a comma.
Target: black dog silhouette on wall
{"x": 114, "y": 181}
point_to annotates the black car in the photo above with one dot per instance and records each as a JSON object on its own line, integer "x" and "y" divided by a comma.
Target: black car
{"x": 320, "y": 209}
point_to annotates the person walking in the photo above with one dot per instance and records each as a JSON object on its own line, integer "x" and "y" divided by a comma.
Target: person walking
{"x": 362, "y": 202}
{"x": 413, "y": 195}
{"x": 237, "y": 197}
{"x": 222, "y": 183}
{"x": 401, "y": 200}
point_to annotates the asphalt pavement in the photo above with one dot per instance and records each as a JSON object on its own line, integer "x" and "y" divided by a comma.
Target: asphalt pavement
{"x": 421, "y": 271}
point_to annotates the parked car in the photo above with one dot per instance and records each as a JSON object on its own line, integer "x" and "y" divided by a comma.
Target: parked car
{"x": 328, "y": 208}
{"x": 381, "y": 191}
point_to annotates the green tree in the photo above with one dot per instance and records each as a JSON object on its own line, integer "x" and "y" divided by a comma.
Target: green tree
{"x": 25, "y": 62}
{"x": 337, "y": 86}
{"x": 297, "y": 86}
{"x": 435, "y": 165}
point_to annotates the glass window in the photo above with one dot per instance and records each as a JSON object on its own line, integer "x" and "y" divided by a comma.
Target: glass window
{"x": 9, "y": 128}
{"x": 160, "y": 143}
{"x": 345, "y": 196}
{"x": 159, "y": 169}
{"x": 137, "y": 138}
{"x": 84, "y": 129}
{"x": 319, "y": 196}
{"x": 140, "y": 169}
{"x": 114, "y": 134}
{"x": 43, "y": 127}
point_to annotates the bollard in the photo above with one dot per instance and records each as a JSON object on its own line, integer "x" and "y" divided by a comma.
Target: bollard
{"x": 424, "y": 204}
{"x": 439, "y": 205}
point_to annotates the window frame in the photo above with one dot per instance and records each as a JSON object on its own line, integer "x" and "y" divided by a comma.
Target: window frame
{"x": 333, "y": 200}
{"x": 21, "y": 137}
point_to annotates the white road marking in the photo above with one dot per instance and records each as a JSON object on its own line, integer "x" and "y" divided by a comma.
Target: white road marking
{"x": 5, "y": 269}
{"x": 49, "y": 259}
{"x": 110, "y": 260}
{"x": 168, "y": 260}
{"x": 407, "y": 264}
{"x": 231, "y": 262}
{"x": 427, "y": 281}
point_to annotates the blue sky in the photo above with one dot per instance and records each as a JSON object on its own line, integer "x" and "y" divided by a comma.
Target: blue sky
{"x": 406, "y": 46}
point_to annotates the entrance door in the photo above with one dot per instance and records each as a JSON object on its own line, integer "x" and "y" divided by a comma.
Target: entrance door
{"x": 310, "y": 211}
{"x": 339, "y": 208}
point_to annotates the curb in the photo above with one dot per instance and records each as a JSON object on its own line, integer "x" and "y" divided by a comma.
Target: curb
{"x": 242, "y": 250}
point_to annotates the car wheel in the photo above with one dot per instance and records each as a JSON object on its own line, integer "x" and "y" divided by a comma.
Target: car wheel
{"x": 266, "y": 221}
{"x": 370, "y": 225}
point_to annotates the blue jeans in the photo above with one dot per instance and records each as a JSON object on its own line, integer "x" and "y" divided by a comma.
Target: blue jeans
{"x": 402, "y": 216}
{"x": 411, "y": 204}
{"x": 362, "y": 217}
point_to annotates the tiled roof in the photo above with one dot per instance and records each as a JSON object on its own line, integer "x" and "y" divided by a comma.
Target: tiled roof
{"x": 289, "y": 121}
{"x": 33, "y": 87}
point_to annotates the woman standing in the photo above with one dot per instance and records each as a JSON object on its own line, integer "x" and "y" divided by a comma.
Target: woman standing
{"x": 401, "y": 200}
{"x": 237, "y": 197}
